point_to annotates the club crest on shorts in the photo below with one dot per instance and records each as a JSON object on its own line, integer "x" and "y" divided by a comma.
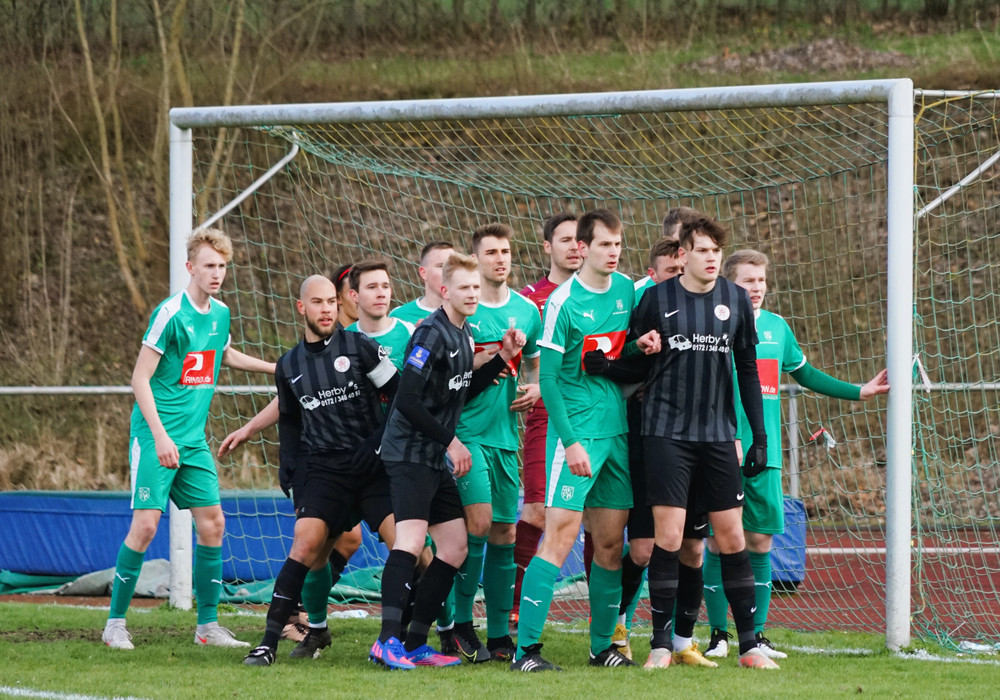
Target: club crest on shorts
{"x": 143, "y": 493}
{"x": 567, "y": 492}
{"x": 342, "y": 363}
{"x": 722, "y": 312}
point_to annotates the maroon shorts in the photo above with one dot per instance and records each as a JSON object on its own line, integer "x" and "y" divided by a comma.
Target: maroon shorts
{"x": 535, "y": 429}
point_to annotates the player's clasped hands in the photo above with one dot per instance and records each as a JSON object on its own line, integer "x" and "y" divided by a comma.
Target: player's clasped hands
{"x": 649, "y": 342}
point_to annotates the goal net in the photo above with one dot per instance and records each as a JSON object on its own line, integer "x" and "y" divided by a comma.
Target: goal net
{"x": 803, "y": 179}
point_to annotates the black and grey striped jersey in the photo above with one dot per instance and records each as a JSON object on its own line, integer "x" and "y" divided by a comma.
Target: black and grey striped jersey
{"x": 689, "y": 390}
{"x": 439, "y": 357}
{"x": 330, "y": 391}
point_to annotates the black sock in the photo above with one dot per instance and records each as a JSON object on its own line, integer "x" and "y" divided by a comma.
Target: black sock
{"x": 337, "y": 565}
{"x": 396, "y": 581}
{"x": 631, "y": 582}
{"x": 662, "y": 593}
{"x": 689, "y": 592}
{"x": 738, "y": 584}
{"x": 287, "y": 591}
{"x": 434, "y": 586}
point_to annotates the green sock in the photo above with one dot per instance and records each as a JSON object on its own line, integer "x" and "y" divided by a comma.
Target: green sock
{"x": 498, "y": 588}
{"x": 715, "y": 598}
{"x": 537, "y": 588}
{"x": 316, "y": 594}
{"x": 207, "y": 582}
{"x": 467, "y": 581}
{"x": 605, "y": 599}
{"x": 128, "y": 566}
{"x": 761, "y": 565}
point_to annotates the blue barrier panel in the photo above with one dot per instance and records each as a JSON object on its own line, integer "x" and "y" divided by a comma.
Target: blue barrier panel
{"x": 788, "y": 555}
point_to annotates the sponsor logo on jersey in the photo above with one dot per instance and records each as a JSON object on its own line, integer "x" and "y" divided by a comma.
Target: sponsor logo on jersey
{"x": 722, "y": 312}
{"x": 679, "y": 342}
{"x": 767, "y": 370}
{"x": 700, "y": 342}
{"x": 418, "y": 357}
{"x": 460, "y": 380}
{"x": 611, "y": 343}
{"x": 342, "y": 363}
{"x": 309, "y": 402}
{"x": 198, "y": 368}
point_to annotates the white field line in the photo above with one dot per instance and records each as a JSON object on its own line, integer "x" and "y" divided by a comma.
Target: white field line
{"x": 14, "y": 692}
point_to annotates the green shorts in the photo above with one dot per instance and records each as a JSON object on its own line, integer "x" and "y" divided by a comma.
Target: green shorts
{"x": 609, "y": 487}
{"x": 493, "y": 479}
{"x": 764, "y": 508}
{"x": 194, "y": 484}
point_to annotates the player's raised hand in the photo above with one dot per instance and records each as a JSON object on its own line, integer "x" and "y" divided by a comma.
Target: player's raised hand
{"x": 649, "y": 342}
{"x": 166, "y": 452}
{"x": 879, "y": 384}
{"x": 461, "y": 458}
{"x": 530, "y": 393}
{"x": 234, "y": 440}
{"x": 578, "y": 460}
{"x": 512, "y": 342}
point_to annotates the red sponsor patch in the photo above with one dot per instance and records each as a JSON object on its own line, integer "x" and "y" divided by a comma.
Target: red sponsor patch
{"x": 199, "y": 368}
{"x": 768, "y": 372}
{"x": 611, "y": 343}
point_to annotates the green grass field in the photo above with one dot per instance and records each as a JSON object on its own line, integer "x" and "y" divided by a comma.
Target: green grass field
{"x": 55, "y": 651}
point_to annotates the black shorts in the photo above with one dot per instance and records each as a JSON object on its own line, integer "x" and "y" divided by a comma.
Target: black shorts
{"x": 325, "y": 487}
{"x": 420, "y": 492}
{"x": 703, "y": 476}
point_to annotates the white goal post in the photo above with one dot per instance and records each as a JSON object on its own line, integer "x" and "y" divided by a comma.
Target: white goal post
{"x": 897, "y": 97}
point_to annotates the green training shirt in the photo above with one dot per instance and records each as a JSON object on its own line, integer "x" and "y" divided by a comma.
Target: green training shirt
{"x": 487, "y": 419}
{"x": 578, "y": 319}
{"x": 412, "y": 312}
{"x": 394, "y": 339}
{"x": 190, "y": 343}
{"x": 777, "y": 351}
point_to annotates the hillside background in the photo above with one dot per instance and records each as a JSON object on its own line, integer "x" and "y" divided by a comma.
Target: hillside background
{"x": 85, "y": 87}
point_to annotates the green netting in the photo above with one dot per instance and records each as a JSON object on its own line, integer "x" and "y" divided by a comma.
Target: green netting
{"x": 806, "y": 185}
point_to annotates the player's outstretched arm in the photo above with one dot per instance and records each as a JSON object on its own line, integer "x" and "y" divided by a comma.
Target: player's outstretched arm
{"x": 267, "y": 417}
{"x": 822, "y": 383}
{"x": 237, "y": 360}
{"x": 145, "y": 366}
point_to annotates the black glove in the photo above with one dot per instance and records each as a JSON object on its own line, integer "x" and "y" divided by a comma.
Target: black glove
{"x": 755, "y": 459}
{"x": 366, "y": 459}
{"x": 594, "y": 362}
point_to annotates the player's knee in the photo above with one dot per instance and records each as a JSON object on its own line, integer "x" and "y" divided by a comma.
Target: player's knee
{"x": 640, "y": 550}
{"x": 140, "y": 535}
{"x": 453, "y": 552}
{"x": 478, "y": 526}
{"x": 534, "y": 514}
{"x": 210, "y": 528}
{"x": 349, "y": 543}
{"x": 691, "y": 552}
{"x": 503, "y": 533}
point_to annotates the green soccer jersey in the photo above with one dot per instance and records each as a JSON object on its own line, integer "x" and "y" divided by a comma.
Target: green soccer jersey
{"x": 487, "y": 419}
{"x": 641, "y": 286}
{"x": 578, "y": 319}
{"x": 394, "y": 339}
{"x": 190, "y": 343}
{"x": 778, "y": 351}
{"x": 412, "y": 312}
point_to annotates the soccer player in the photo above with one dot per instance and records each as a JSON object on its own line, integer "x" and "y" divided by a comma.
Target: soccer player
{"x": 559, "y": 243}
{"x": 763, "y": 510}
{"x": 432, "y": 259}
{"x": 587, "y": 450}
{"x": 488, "y": 428}
{"x": 706, "y": 326}
{"x": 418, "y": 444}
{"x": 664, "y": 264}
{"x": 173, "y": 381}
{"x": 371, "y": 292}
{"x": 347, "y": 309}
{"x": 330, "y": 424}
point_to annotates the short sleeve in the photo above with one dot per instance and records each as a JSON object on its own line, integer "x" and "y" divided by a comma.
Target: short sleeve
{"x": 792, "y": 357}
{"x": 555, "y": 328}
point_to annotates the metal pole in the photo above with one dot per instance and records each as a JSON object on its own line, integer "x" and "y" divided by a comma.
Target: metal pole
{"x": 899, "y": 334}
{"x": 793, "y": 441}
{"x": 181, "y": 190}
